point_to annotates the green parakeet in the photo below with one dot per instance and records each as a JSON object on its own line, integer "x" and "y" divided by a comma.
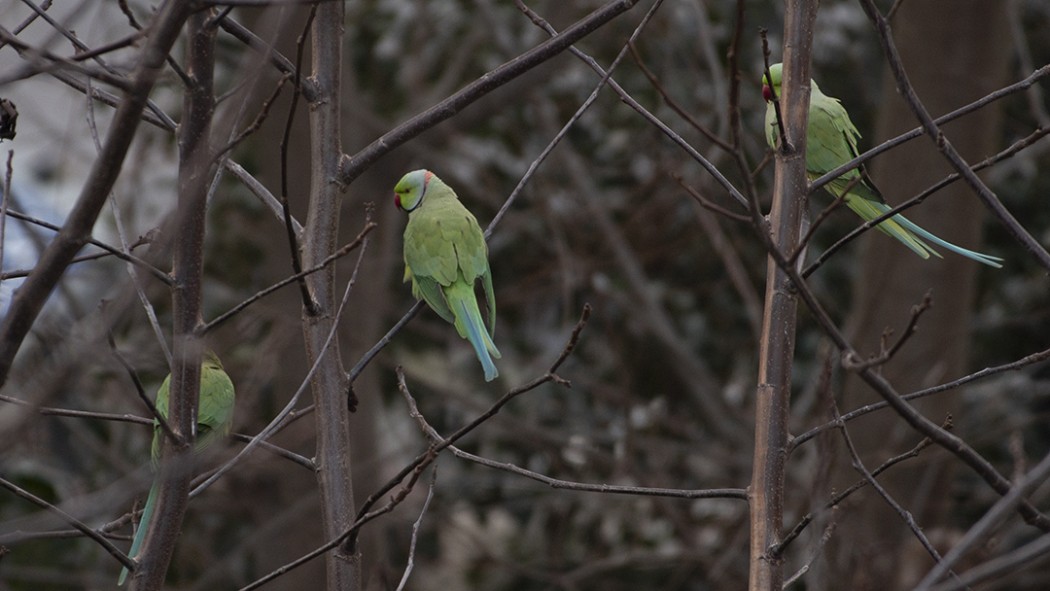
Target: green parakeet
{"x": 214, "y": 419}
{"x": 831, "y": 141}
{"x": 445, "y": 253}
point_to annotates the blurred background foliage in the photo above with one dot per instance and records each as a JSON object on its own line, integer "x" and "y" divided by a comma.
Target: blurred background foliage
{"x": 664, "y": 375}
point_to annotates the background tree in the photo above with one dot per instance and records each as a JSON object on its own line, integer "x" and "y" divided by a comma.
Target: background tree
{"x": 637, "y": 475}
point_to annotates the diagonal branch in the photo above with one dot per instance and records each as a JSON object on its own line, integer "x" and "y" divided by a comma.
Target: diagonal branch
{"x": 353, "y": 166}
{"x": 31, "y": 297}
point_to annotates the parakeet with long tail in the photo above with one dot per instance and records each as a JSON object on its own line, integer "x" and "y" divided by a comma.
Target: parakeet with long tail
{"x": 831, "y": 141}
{"x": 445, "y": 254}
{"x": 214, "y": 419}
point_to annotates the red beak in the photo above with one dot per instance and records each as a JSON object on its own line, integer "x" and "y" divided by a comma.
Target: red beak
{"x": 767, "y": 92}
{"x": 397, "y": 201}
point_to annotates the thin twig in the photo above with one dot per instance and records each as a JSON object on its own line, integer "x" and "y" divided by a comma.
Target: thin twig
{"x": 733, "y": 107}
{"x": 436, "y": 438}
{"x": 160, "y": 417}
{"x": 606, "y": 79}
{"x": 887, "y": 354}
{"x": 838, "y": 498}
{"x": 904, "y": 514}
{"x": 648, "y": 116}
{"x": 988, "y": 522}
{"x": 342, "y": 252}
{"x": 869, "y": 408}
{"x": 354, "y": 165}
{"x": 309, "y": 303}
{"x": 415, "y": 530}
{"x": 158, "y": 274}
{"x": 673, "y": 104}
{"x": 260, "y": 117}
{"x": 79, "y": 525}
{"x": 708, "y": 204}
{"x": 79, "y": 414}
{"x": 409, "y": 474}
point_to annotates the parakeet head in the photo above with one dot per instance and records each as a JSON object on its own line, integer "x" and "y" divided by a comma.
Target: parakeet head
{"x": 410, "y": 190}
{"x": 208, "y": 357}
{"x": 770, "y": 86}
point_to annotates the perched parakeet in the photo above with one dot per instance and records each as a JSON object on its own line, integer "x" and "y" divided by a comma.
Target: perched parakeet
{"x": 214, "y": 419}
{"x": 445, "y": 253}
{"x": 831, "y": 141}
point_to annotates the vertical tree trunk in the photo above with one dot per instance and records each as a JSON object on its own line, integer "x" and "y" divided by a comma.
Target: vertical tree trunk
{"x": 321, "y": 232}
{"x": 766, "y": 494}
{"x": 196, "y": 168}
{"x": 954, "y": 53}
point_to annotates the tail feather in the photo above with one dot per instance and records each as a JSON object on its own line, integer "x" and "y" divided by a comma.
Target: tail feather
{"x": 987, "y": 259}
{"x": 869, "y": 210}
{"x": 140, "y": 535}
{"x": 470, "y": 325}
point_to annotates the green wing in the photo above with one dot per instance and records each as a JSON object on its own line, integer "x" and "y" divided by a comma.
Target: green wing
{"x": 444, "y": 244}
{"x": 215, "y": 409}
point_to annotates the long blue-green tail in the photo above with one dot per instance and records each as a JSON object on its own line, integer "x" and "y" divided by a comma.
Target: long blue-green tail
{"x": 987, "y": 259}
{"x": 469, "y": 324}
{"x": 908, "y": 232}
{"x": 140, "y": 534}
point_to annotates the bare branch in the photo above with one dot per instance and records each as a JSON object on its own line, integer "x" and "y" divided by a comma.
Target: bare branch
{"x": 75, "y": 233}
{"x": 79, "y": 525}
{"x": 354, "y": 165}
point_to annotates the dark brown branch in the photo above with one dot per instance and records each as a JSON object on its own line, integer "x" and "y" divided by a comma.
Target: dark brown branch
{"x": 648, "y": 116}
{"x": 353, "y": 166}
{"x": 990, "y": 371}
{"x": 673, "y": 104}
{"x": 321, "y": 309}
{"x": 838, "y": 498}
{"x": 308, "y": 300}
{"x": 30, "y": 298}
{"x": 197, "y": 166}
{"x": 342, "y": 252}
{"x": 887, "y": 354}
{"x": 413, "y": 469}
{"x": 777, "y": 344}
{"x": 120, "y": 254}
{"x": 79, "y": 525}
